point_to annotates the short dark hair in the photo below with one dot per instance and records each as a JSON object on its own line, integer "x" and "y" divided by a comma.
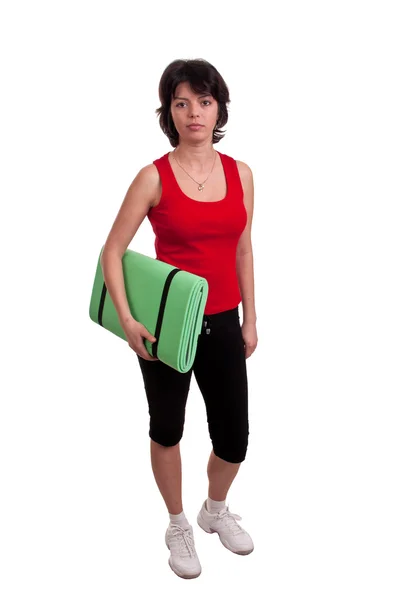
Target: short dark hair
{"x": 203, "y": 77}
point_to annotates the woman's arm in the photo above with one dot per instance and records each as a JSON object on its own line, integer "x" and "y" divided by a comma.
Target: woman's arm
{"x": 112, "y": 270}
{"x": 136, "y": 204}
{"x": 244, "y": 252}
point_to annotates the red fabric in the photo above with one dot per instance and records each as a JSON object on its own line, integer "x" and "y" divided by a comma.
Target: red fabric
{"x": 201, "y": 237}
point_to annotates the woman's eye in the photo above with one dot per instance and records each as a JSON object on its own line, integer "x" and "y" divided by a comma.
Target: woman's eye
{"x": 180, "y": 103}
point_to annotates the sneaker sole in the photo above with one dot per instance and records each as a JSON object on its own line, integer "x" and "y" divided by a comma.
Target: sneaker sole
{"x": 208, "y": 529}
{"x": 181, "y": 575}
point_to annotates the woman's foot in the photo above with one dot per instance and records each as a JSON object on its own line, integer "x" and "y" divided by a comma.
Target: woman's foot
{"x": 232, "y": 535}
{"x": 183, "y": 558}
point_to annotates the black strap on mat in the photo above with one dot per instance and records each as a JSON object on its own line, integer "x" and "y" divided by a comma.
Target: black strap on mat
{"x": 162, "y": 307}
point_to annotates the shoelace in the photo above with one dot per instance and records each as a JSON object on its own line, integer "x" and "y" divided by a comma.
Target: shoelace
{"x": 229, "y": 519}
{"x": 185, "y": 540}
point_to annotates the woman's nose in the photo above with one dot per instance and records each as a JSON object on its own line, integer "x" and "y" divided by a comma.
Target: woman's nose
{"x": 195, "y": 111}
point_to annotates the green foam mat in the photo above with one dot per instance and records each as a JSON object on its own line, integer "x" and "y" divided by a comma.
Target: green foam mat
{"x": 168, "y": 301}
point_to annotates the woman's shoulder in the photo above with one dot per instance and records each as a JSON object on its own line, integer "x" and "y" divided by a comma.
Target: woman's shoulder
{"x": 149, "y": 177}
{"x": 150, "y": 172}
{"x": 244, "y": 170}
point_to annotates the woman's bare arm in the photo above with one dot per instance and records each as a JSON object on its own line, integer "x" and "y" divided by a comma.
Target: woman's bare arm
{"x": 139, "y": 198}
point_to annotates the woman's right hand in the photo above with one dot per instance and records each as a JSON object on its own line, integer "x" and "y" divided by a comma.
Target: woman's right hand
{"x": 135, "y": 332}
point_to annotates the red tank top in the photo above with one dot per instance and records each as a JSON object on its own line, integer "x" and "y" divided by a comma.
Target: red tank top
{"x": 201, "y": 237}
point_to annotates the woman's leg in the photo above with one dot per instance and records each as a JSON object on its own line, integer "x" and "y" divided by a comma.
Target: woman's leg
{"x": 166, "y": 466}
{"x": 167, "y": 392}
{"x": 220, "y": 370}
{"x": 221, "y": 475}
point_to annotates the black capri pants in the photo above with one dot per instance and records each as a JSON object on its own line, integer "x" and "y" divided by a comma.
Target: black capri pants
{"x": 220, "y": 371}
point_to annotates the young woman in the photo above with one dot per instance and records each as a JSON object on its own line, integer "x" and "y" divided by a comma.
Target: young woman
{"x": 200, "y": 204}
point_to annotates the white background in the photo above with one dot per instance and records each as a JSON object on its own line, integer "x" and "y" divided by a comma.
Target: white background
{"x": 314, "y": 113}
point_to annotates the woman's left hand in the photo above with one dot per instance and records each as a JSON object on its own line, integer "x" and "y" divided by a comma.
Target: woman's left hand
{"x": 249, "y": 334}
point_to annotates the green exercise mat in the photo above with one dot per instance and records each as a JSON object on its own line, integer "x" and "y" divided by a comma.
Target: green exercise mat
{"x": 168, "y": 301}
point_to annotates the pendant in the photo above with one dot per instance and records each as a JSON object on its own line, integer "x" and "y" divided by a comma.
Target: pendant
{"x": 201, "y": 186}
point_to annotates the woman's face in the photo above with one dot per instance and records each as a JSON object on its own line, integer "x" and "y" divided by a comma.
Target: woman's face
{"x": 187, "y": 108}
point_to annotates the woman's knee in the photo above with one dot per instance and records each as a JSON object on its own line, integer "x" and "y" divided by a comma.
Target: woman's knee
{"x": 165, "y": 436}
{"x": 231, "y": 446}
{"x": 231, "y": 453}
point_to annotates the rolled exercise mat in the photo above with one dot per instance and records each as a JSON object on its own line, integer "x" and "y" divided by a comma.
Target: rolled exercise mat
{"x": 168, "y": 301}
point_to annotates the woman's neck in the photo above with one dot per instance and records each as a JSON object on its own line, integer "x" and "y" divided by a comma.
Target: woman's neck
{"x": 194, "y": 157}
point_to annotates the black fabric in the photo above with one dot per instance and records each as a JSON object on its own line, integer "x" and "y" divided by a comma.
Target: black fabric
{"x": 220, "y": 371}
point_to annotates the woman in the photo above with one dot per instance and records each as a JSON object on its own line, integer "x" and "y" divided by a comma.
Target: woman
{"x": 200, "y": 205}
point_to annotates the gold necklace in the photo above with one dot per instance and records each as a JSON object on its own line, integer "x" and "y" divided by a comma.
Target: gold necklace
{"x": 200, "y": 185}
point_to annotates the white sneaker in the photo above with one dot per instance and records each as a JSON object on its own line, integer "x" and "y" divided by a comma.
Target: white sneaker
{"x": 183, "y": 558}
{"x": 231, "y": 535}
